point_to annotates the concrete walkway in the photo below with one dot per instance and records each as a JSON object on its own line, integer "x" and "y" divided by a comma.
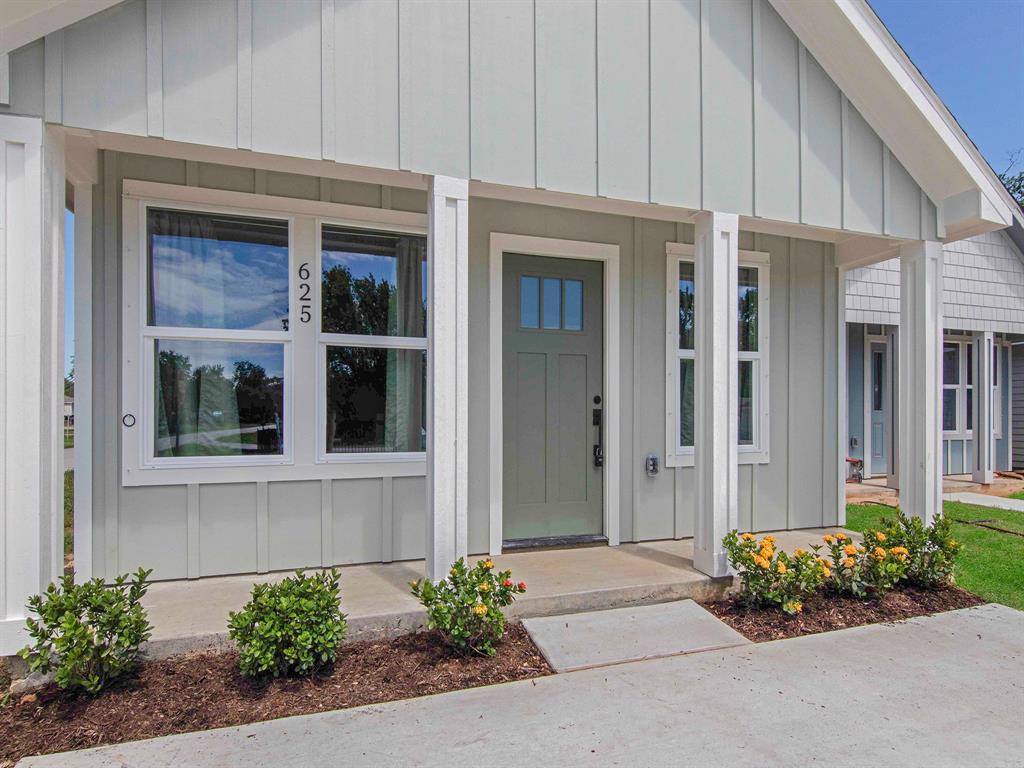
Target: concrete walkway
{"x": 944, "y": 690}
{"x": 984, "y": 500}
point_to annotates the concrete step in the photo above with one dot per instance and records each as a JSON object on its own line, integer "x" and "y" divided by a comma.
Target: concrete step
{"x": 602, "y": 638}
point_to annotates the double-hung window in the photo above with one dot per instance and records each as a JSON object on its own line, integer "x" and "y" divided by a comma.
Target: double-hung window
{"x": 372, "y": 343}
{"x": 215, "y": 341}
{"x": 683, "y": 293}
{"x": 958, "y": 389}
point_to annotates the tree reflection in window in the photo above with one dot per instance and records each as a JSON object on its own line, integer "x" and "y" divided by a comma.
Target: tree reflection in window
{"x": 219, "y": 398}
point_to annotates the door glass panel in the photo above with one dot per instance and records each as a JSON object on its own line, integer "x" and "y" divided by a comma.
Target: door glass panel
{"x": 951, "y": 363}
{"x": 970, "y": 409}
{"x": 552, "y": 303}
{"x": 685, "y": 305}
{"x": 747, "y": 309}
{"x": 214, "y": 271}
{"x": 373, "y": 283}
{"x": 949, "y": 410}
{"x": 218, "y": 398}
{"x": 375, "y": 400}
{"x": 529, "y": 302}
{"x": 970, "y": 364}
{"x": 746, "y": 403}
{"x": 573, "y": 305}
{"x": 686, "y": 375}
{"x": 877, "y": 368}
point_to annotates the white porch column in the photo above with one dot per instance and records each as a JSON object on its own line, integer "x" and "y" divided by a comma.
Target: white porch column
{"x": 920, "y": 379}
{"x": 31, "y": 367}
{"x": 715, "y": 399}
{"x": 447, "y": 361}
{"x": 984, "y": 438}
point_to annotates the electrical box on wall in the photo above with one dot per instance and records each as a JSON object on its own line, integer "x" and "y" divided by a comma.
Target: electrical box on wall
{"x": 651, "y": 464}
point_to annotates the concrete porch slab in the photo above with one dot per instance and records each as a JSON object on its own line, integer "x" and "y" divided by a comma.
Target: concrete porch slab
{"x": 188, "y": 615}
{"x": 602, "y": 638}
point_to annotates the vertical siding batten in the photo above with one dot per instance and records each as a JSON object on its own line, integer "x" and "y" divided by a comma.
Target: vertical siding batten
{"x": 154, "y": 68}
{"x": 243, "y": 64}
{"x": 328, "y": 140}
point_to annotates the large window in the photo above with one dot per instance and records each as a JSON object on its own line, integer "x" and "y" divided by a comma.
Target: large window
{"x": 958, "y": 389}
{"x": 373, "y": 341}
{"x": 216, "y": 335}
{"x": 752, "y": 355}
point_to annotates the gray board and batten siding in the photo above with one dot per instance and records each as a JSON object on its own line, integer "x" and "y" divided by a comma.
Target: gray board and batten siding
{"x": 687, "y": 103}
{"x": 201, "y": 529}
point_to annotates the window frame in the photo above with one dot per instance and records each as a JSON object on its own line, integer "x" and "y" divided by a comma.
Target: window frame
{"x": 759, "y": 451}
{"x": 300, "y": 407}
{"x": 325, "y": 340}
{"x": 146, "y": 337}
{"x": 963, "y": 365}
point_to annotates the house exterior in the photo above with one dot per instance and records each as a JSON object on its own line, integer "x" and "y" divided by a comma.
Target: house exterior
{"x": 375, "y": 281}
{"x": 983, "y": 303}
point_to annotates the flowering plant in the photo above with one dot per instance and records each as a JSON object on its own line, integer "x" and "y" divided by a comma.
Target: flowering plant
{"x": 856, "y": 569}
{"x": 465, "y": 608}
{"x": 770, "y": 577}
{"x": 931, "y": 550}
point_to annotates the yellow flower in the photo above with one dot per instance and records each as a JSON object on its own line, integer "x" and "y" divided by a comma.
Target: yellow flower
{"x": 798, "y": 552}
{"x": 861, "y": 550}
{"x": 781, "y": 567}
{"x": 841, "y": 537}
{"x": 760, "y": 562}
{"x": 479, "y": 609}
{"x": 798, "y": 607}
{"x": 902, "y": 551}
{"x": 488, "y": 564}
{"x": 849, "y": 549}
{"x": 878, "y": 553}
{"x": 485, "y": 587}
{"x": 826, "y": 572}
{"x": 748, "y": 537}
{"x": 848, "y": 562}
{"x": 828, "y": 538}
{"x": 770, "y": 539}
{"x": 823, "y": 561}
{"x": 880, "y": 536}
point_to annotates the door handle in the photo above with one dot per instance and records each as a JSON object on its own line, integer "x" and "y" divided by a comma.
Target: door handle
{"x": 599, "y": 445}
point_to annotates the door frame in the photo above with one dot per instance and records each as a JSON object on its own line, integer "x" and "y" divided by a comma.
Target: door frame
{"x": 887, "y": 401}
{"x": 528, "y": 245}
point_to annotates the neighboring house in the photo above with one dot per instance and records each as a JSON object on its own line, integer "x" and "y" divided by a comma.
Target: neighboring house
{"x": 983, "y": 293}
{"x": 374, "y": 281}
{"x": 69, "y": 411}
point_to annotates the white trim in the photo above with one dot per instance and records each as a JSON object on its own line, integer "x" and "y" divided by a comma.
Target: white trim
{"x": 301, "y": 459}
{"x": 870, "y": 339}
{"x": 83, "y": 528}
{"x": 760, "y": 451}
{"x": 500, "y": 243}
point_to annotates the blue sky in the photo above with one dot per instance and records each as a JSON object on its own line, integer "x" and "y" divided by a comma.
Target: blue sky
{"x": 969, "y": 50}
{"x": 972, "y": 53}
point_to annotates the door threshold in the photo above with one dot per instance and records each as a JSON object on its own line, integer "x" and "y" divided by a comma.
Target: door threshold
{"x": 553, "y": 542}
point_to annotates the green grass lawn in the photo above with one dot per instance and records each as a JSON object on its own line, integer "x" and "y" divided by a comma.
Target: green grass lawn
{"x": 991, "y": 563}
{"x": 69, "y": 442}
{"x": 1017, "y": 495}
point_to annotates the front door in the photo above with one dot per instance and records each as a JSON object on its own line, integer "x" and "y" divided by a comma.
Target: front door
{"x": 879, "y": 395}
{"x": 553, "y": 413}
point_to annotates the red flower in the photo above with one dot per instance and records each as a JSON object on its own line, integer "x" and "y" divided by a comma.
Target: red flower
{"x": 507, "y": 583}
{"x": 522, "y": 585}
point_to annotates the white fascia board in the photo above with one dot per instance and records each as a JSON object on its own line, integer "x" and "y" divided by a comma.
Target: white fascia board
{"x": 49, "y": 18}
{"x": 878, "y": 78}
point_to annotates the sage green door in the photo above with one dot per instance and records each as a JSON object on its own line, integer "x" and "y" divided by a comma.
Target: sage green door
{"x": 553, "y": 376}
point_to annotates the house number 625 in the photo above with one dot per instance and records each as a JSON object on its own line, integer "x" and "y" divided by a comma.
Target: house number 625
{"x": 305, "y": 294}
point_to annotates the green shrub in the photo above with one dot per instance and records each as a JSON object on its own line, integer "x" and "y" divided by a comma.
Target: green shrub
{"x": 293, "y": 627}
{"x": 465, "y": 608}
{"x": 768, "y": 577}
{"x": 89, "y": 633}
{"x": 931, "y": 550}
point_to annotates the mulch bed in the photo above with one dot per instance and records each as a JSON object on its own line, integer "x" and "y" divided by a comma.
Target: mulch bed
{"x": 203, "y": 690}
{"x": 824, "y": 613}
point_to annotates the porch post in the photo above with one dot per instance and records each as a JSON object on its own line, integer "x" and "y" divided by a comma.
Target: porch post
{"x": 892, "y": 432}
{"x": 920, "y": 379}
{"x": 715, "y": 401}
{"x": 984, "y": 440}
{"x": 31, "y": 367}
{"x": 447, "y": 361}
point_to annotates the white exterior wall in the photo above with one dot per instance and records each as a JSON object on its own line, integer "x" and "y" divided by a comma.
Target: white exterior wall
{"x": 982, "y": 287}
{"x": 699, "y": 104}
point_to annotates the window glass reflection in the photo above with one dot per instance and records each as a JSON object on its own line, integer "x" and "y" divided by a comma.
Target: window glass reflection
{"x": 216, "y": 271}
{"x": 376, "y": 400}
{"x": 216, "y": 398}
{"x": 373, "y": 283}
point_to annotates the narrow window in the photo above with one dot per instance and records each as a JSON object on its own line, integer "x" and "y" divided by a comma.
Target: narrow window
{"x": 529, "y": 302}
{"x": 573, "y": 305}
{"x": 552, "y": 303}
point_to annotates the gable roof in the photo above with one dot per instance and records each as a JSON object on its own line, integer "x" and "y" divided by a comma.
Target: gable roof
{"x": 861, "y": 55}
